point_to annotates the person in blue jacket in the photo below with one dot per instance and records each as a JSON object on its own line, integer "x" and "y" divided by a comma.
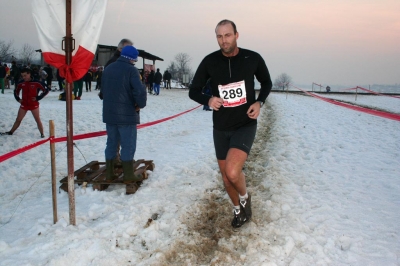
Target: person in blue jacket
{"x": 123, "y": 96}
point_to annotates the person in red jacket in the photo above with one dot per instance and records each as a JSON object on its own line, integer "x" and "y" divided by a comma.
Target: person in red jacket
{"x": 32, "y": 92}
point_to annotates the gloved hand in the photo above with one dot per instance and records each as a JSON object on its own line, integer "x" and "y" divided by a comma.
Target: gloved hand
{"x": 101, "y": 96}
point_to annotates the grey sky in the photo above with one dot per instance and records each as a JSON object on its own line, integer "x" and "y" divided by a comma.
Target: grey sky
{"x": 328, "y": 42}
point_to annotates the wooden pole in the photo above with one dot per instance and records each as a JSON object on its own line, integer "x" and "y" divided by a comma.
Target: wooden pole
{"x": 68, "y": 93}
{"x": 53, "y": 171}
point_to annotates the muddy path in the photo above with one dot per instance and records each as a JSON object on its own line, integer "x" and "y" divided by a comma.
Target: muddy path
{"x": 208, "y": 237}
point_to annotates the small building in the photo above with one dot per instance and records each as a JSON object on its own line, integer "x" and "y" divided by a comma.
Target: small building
{"x": 105, "y": 52}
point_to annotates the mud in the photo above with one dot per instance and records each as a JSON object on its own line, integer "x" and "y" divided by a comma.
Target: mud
{"x": 209, "y": 237}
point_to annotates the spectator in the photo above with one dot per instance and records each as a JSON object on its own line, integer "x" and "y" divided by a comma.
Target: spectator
{"x": 88, "y": 81}
{"x": 60, "y": 80}
{"x": 99, "y": 74}
{"x": 32, "y": 92}
{"x": 15, "y": 73}
{"x": 150, "y": 80}
{"x": 7, "y": 79}
{"x": 117, "y": 54}
{"x": 157, "y": 82}
{"x": 35, "y": 73}
{"x": 49, "y": 78}
{"x": 78, "y": 87}
{"x": 167, "y": 79}
{"x": 3, "y": 74}
{"x": 43, "y": 75}
{"x": 123, "y": 96}
{"x": 328, "y": 89}
{"x": 207, "y": 91}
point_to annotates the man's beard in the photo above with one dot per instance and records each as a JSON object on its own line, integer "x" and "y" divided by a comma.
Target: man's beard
{"x": 229, "y": 49}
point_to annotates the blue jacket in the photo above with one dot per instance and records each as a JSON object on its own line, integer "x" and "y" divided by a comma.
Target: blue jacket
{"x": 123, "y": 91}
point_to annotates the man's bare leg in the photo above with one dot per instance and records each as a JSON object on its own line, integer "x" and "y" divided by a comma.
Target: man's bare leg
{"x": 36, "y": 115}
{"x": 232, "y": 174}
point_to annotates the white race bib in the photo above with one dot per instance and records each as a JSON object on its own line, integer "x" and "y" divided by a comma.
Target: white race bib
{"x": 233, "y": 94}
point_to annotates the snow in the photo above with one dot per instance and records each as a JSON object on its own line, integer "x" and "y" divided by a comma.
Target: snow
{"x": 324, "y": 182}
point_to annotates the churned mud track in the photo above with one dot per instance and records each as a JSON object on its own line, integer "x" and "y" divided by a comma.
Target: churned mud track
{"x": 209, "y": 237}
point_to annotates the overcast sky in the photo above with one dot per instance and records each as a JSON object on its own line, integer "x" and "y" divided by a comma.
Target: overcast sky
{"x": 330, "y": 42}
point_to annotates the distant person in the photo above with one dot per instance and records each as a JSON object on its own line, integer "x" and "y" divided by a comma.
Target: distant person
{"x": 3, "y": 74}
{"x": 88, "y": 81}
{"x": 236, "y": 107}
{"x": 49, "y": 78}
{"x": 207, "y": 91}
{"x": 15, "y": 73}
{"x": 167, "y": 79}
{"x": 157, "y": 82}
{"x": 78, "y": 88}
{"x": 123, "y": 97}
{"x": 117, "y": 54}
{"x": 43, "y": 75}
{"x": 150, "y": 80}
{"x": 32, "y": 92}
{"x": 8, "y": 77}
{"x": 35, "y": 73}
{"x": 60, "y": 80}
{"x": 328, "y": 89}
{"x": 98, "y": 75}
{"x": 124, "y": 42}
{"x": 146, "y": 81}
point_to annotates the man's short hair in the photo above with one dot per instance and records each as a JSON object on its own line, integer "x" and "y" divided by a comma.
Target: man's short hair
{"x": 224, "y": 22}
{"x": 26, "y": 70}
{"x": 123, "y": 43}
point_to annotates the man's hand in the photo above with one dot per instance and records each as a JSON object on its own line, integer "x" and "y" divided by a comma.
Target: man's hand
{"x": 254, "y": 110}
{"x": 215, "y": 103}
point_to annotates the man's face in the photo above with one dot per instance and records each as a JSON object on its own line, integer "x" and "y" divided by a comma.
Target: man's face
{"x": 26, "y": 76}
{"x": 226, "y": 38}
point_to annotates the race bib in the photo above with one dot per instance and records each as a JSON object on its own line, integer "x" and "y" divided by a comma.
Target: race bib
{"x": 233, "y": 94}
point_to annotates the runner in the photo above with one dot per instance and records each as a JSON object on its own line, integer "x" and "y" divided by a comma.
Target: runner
{"x": 232, "y": 71}
{"x": 32, "y": 92}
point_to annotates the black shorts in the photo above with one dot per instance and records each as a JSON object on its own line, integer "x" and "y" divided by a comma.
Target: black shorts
{"x": 241, "y": 139}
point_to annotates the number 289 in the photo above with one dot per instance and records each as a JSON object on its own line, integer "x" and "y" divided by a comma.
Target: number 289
{"x": 232, "y": 93}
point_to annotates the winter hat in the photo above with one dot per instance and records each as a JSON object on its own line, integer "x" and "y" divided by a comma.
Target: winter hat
{"x": 130, "y": 52}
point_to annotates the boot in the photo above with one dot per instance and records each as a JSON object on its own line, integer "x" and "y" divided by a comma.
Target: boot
{"x": 110, "y": 176}
{"x": 129, "y": 172}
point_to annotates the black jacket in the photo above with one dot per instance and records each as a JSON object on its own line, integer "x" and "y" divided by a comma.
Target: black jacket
{"x": 150, "y": 78}
{"x": 167, "y": 76}
{"x": 157, "y": 77}
{"x": 227, "y": 70}
{"x": 3, "y": 72}
{"x": 49, "y": 72}
{"x": 116, "y": 55}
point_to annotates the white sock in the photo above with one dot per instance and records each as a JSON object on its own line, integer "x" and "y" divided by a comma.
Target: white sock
{"x": 244, "y": 197}
{"x": 236, "y": 208}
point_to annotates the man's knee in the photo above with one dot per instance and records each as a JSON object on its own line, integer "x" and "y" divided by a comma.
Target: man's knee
{"x": 233, "y": 174}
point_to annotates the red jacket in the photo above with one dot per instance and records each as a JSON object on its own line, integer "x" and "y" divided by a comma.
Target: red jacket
{"x": 30, "y": 89}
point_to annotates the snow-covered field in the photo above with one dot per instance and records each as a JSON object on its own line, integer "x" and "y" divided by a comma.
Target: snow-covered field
{"x": 325, "y": 182}
{"x": 383, "y": 102}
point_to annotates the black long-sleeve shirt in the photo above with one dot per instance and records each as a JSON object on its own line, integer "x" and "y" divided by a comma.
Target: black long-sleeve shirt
{"x": 232, "y": 71}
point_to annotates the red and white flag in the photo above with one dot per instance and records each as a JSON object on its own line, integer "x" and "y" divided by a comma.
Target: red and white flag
{"x": 87, "y": 20}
